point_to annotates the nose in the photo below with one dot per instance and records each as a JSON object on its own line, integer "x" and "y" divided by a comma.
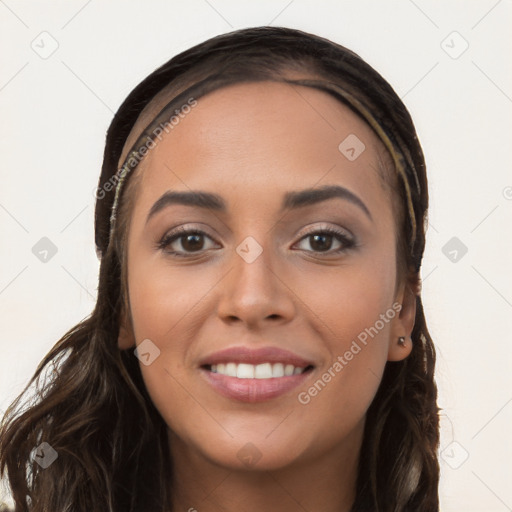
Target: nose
{"x": 255, "y": 293}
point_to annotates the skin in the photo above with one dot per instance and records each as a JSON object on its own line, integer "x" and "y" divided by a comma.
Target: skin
{"x": 251, "y": 144}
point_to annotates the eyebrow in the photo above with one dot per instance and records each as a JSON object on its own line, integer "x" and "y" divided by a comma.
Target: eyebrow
{"x": 292, "y": 200}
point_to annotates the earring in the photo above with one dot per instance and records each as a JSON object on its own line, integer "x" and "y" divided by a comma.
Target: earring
{"x": 401, "y": 341}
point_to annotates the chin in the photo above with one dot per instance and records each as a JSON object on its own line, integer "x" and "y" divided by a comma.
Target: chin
{"x": 249, "y": 456}
{"x": 248, "y": 449}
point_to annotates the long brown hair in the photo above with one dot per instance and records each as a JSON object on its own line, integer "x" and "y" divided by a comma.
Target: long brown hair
{"x": 87, "y": 398}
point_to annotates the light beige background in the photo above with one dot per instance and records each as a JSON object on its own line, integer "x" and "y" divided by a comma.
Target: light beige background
{"x": 56, "y": 107}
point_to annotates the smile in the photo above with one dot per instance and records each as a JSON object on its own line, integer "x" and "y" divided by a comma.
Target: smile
{"x": 248, "y": 374}
{"x": 260, "y": 371}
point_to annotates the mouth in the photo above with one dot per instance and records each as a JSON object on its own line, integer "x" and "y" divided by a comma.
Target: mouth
{"x": 266, "y": 370}
{"x": 255, "y": 375}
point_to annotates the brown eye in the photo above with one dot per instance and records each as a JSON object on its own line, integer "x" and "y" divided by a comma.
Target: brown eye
{"x": 326, "y": 241}
{"x": 192, "y": 242}
{"x": 320, "y": 242}
{"x": 186, "y": 242}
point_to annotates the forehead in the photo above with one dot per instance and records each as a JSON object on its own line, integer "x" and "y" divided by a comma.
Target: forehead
{"x": 266, "y": 129}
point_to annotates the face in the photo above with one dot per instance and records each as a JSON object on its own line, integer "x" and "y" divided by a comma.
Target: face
{"x": 271, "y": 300}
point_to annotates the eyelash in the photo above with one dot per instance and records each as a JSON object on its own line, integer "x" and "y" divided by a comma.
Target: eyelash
{"x": 181, "y": 232}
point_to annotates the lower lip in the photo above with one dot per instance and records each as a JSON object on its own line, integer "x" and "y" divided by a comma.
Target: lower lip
{"x": 253, "y": 390}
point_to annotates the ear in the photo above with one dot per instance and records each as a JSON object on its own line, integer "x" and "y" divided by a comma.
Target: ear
{"x": 403, "y": 324}
{"x": 126, "y": 338}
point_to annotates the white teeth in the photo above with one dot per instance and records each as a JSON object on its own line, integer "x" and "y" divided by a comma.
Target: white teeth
{"x": 288, "y": 370}
{"x": 245, "y": 371}
{"x": 263, "y": 371}
{"x": 231, "y": 370}
{"x": 278, "y": 370}
{"x": 260, "y": 371}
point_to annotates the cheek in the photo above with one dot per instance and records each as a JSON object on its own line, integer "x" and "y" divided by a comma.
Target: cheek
{"x": 167, "y": 307}
{"x": 349, "y": 299}
{"x": 352, "y": 310}
{"x": 162, "y": 298}
{"x": 345, "y": 386}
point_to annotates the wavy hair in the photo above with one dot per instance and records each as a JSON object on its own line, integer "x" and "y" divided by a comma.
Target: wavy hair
{"x": 87, "y": 398}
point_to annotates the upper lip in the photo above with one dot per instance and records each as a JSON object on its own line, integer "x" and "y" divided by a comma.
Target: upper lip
{"x": 255, "y": 356}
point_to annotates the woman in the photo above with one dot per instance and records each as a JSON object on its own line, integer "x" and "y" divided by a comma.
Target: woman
{"x": 258, "y": 341}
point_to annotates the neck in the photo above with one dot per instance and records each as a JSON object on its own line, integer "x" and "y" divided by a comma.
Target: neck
{"x": 325, "y": 483}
